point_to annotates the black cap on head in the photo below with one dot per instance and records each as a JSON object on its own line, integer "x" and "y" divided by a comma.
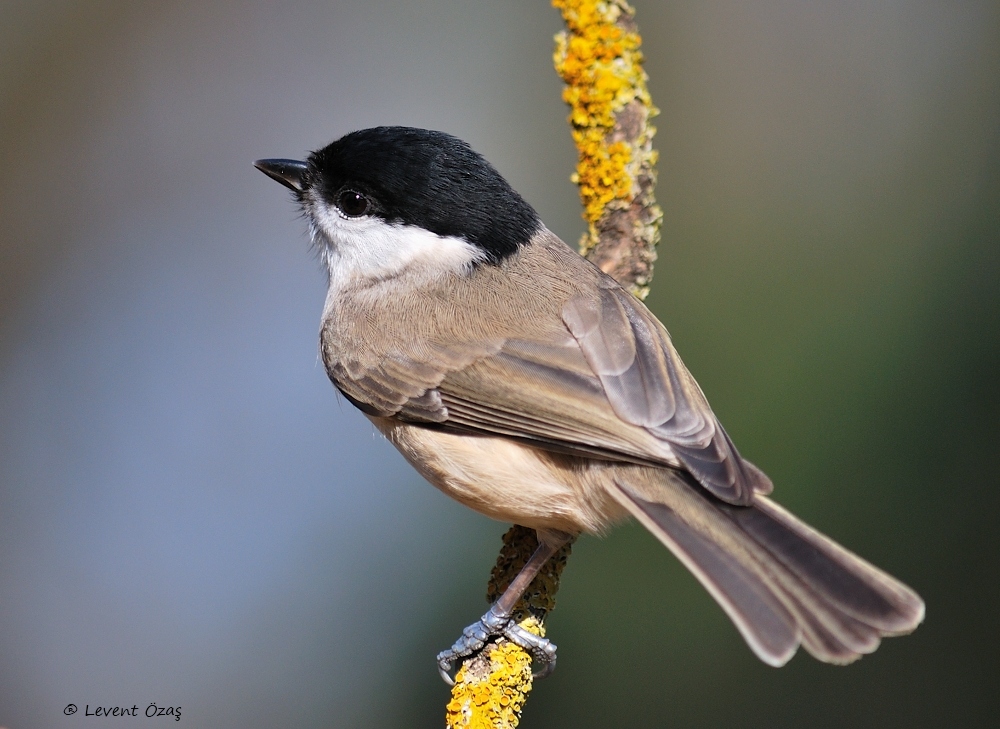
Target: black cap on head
{"x": 427, "y": 179}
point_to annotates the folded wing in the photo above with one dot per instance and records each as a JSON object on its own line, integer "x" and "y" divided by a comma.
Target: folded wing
{"x": 648, "y": 386}
{"x": 607, "y": 384}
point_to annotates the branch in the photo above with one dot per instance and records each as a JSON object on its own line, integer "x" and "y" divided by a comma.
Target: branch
{"x": 599, "y": 59}
{"x": 491, "y": 687}
{"x": 610, "y": 108}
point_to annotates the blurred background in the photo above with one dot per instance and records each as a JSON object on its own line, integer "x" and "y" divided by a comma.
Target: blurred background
{"x": 190, "y": 516}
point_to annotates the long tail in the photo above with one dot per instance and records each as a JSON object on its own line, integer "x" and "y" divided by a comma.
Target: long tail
{"x": 781, "y": 582}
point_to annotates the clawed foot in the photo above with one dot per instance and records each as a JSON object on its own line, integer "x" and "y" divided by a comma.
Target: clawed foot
{"x": 496, "y": 623}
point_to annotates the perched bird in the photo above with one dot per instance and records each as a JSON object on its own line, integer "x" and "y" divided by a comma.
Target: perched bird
{"x": 522, "y": 381}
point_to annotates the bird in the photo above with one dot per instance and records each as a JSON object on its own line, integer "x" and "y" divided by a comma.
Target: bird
{"x": 522, "y": 381}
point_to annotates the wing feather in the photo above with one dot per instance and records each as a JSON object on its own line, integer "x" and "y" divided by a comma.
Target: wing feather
{"x": 647, "y": 385}
{"x": 605, "y": 381}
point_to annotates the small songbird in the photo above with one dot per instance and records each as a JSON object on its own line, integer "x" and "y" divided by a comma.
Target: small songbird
{"x": 522, "y": 381}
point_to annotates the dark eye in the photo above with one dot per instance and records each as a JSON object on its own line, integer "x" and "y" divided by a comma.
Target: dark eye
{"x": 353, "y": 204}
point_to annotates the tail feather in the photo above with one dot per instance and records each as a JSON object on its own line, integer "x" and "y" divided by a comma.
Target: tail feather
{"x": 849, "y": 582}
{"x": 767, "y": 626}
{"x": 780, "y": 581}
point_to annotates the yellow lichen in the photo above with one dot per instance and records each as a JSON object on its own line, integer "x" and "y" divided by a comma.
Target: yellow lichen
{"x": 601, "y": 63}
{"x": 493, "y": 697}
{"x": 491, "y": 688}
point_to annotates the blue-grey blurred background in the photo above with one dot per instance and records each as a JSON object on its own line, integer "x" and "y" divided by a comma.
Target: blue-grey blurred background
{"x": 190, "y": 516}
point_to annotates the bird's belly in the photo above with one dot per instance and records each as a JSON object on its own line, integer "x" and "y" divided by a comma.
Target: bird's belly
{"x": 509, "y": 481}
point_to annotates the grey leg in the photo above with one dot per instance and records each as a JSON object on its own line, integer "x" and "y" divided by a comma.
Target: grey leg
{"x": 497, "y": 620}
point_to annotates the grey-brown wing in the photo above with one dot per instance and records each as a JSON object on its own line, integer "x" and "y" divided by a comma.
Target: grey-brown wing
{"x": 547, "y": 394}
{"x": 607, "y": 384}
{"x": 405, "y": 385}
{"x": 648, "y": 386}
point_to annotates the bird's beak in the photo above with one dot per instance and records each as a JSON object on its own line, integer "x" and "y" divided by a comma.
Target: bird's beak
{"x": 289, "y": 172}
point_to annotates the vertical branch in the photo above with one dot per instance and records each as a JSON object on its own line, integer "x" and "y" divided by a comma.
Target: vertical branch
{"x": 491, "y": 687}
{"x": 599, "y": 59}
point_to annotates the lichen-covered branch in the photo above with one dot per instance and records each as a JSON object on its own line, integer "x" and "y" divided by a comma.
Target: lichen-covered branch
{"x": 492, "y": 686}
{"x": 599, "y": 59}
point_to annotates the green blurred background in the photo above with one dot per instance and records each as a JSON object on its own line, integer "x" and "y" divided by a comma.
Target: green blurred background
{"x": 189, "y": 516}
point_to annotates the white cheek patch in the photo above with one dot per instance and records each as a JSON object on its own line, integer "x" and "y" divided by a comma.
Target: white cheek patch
{"x": 368, "y": 248}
